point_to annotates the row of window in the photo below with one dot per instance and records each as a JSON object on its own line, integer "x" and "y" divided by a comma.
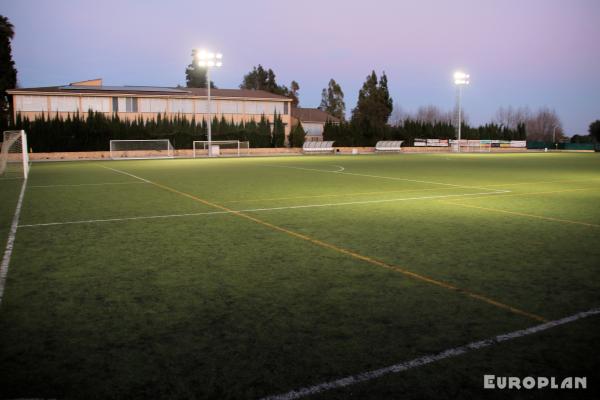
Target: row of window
{"x": 134, "y": 104}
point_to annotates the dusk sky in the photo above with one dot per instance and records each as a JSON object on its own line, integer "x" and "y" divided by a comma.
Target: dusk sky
{"x": 519, "y": 53}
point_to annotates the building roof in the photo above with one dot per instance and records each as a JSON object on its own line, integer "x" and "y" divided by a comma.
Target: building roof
{"x": 79, "y": 88}
{"x": 313, "y": 115}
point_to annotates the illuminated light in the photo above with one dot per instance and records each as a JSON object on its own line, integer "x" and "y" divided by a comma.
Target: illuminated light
{"x": 210, "y": 56}
{"x": 210, "y": 63}
{"x": 461, "y": 78}
{"x": 201, "y": 55}
{"x": 202, "y": 63}
{"x": 219, "y": 56}
{"x": 219, "y": 64}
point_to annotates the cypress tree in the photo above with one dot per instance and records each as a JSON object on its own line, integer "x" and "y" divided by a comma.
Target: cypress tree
{"x": 297, "y": 135}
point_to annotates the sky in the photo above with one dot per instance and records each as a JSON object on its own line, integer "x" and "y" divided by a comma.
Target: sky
{"x": 531, "y": 53}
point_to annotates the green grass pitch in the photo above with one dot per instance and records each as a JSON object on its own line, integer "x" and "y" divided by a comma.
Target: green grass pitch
{"x": 334, "y": 266}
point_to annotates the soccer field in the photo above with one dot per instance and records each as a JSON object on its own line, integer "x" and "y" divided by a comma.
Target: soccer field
{"x": 244, "y": 278}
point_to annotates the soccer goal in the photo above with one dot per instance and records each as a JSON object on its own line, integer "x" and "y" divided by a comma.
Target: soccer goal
{"x": 218, "y": 148}
{"x": 14, "y": 158}
{"x": 478, "y": 146}
{"x": 141, "y": 149}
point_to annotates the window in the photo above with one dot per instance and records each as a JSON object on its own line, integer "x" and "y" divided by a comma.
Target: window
{"x": 268, "y": 107}
{"x": 230, "y": 107}
{"x": 251, "y": 107}
{"x": 202, "y": 106}
{"x": 152, "y": 105}
{"x": 32, "y": 103}
{"x": 64, "y": 103}
{"x": 182, "y": 106}
{"x": 115, "y": 101}
{"x": 285, "y": 108}
{"x": 131, "y": 105}
{"x": 126, "y": 104}
{"x": 98, "y": 104}
{"x": 279, "y": 108}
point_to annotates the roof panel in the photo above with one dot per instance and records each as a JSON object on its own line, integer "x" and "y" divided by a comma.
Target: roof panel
{"x": 124, "y": 88}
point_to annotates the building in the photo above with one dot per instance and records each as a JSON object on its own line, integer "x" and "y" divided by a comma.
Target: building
{"x": 313, "y": 121}
{"x": 132, "y": 102}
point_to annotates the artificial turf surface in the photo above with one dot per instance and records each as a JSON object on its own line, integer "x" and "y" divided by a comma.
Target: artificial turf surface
{"x": 221, "y": 304}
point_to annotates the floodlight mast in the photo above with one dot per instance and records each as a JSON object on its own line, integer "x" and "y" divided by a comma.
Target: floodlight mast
{"x": 460, "y": 79}
{"x": 208, "y": 60}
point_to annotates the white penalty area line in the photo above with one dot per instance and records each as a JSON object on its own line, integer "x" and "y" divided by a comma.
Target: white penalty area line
{"x": 427, "y": 359}
{"x": 11, "y": 241}
{"x": 341, "y": 172}
{"x": 348, "y": 203}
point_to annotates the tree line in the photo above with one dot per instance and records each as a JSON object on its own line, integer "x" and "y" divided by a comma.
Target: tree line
{"x": 349, "y": 134}
{"x": 94, "y": 131}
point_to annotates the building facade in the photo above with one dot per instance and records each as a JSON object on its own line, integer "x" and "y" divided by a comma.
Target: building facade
{"x": 132, "y": 102}
{"x": 313, "y": 121}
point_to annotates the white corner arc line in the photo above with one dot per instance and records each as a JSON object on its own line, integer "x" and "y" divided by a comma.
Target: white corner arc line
{"x": 427, "y": 359}
{"x": 89, "y": 221}
{"x": 11, "y": 241}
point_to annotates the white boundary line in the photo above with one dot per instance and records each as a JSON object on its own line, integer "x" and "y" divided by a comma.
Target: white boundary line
{"x": 382, "y": 177}
{"x": 11, "y": 241}
{"x": 87, "y": 184}
{"x": 428, "y": 359}
{"x": 264, "y": 209}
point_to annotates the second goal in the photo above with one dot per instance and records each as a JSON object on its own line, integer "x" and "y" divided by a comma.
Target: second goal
{"x": 232, "y": 148}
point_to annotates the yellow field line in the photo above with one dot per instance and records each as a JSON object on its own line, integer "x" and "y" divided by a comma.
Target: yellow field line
{"x": 342, "y": 195}
{"x": 567, "y": 221}
{"x": 531, "y": 193}
{"x": 357, "y": 255}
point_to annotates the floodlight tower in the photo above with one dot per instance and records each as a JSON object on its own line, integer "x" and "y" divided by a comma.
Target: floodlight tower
{"x": 208, "y": 60}
{"x": 460, "y": 79}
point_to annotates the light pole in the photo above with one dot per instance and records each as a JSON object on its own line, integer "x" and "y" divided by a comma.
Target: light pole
{"x": 554, "y": 137}
{"x": 208, "y": 60}
{"x": 460, "y": 79}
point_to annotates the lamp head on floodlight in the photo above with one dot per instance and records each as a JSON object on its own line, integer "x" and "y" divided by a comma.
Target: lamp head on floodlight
{"x": 460, "y": 78}
{"x": 208, "y": 59}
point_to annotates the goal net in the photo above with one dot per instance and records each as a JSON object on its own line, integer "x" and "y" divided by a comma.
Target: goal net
{"x": 478, "y": 146}
{"x": 232, "y": 148}
{"x": 471, "y": 146}
{"x": 140, "y": 149}
{"x": 14, "y": 158}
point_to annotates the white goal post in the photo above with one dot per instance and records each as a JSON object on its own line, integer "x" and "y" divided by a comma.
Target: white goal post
{"x": 141, "y": 149}
{"x": 14, "y": 156}
{"x": 221, "y": 148}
